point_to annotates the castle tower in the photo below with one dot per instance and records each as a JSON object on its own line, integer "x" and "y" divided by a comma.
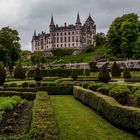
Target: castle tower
{"x": 78, "y": 22}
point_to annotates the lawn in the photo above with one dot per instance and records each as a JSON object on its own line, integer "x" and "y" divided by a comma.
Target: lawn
{"x": 78, "y": 122}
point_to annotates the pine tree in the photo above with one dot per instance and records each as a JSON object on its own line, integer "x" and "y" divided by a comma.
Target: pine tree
{"x": 19, "y": 72}
{"x": 104, "y": 74}
{"x": 2, "y": 74}
{"x": 38, "y": 74}
{"x": 115, "y": 70}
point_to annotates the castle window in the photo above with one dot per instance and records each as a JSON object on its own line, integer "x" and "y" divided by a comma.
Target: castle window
{"x": 57, "y": 34}
{"x": 65, "y": 33}
{"x": 57, "y": 45}
{"x": 61, "y": 45}
{"x": 61, "y": 33}
{"x": 69, "y": 33}
{"x": 57, "y": 39}
{"x": 69, "y": 38}
{"x": 69, "y": 45}
{"x": 61, "y": 39}
{"x": 72, "y": 44}
{"x": 65, "y": 39}
{"x": 65, "y": 45}
{"x": 73, "y": 33}
{"x": 72, "y": 38}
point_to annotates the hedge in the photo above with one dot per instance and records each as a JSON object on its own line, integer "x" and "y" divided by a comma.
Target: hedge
{"x": 122, "y": 116}
{"x": 27, "y": 95}
{"x": 59, "y": 72}
{"x": 43, "y": 125}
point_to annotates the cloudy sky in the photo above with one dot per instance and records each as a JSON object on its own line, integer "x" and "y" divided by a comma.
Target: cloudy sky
{"x": 27, "y": 15}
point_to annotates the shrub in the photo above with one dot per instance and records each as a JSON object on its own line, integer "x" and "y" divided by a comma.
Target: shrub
{"x": 120, "y": 93}
{"x": 137, "y": 96}
{"x": 85, "y": 84}
{"x": 104, "y": 74}
{"x": 94, "y": 86}
{"x": 115, "y": 70}
{"x": 37, "y": 75}
{"x": 93, "y": 66}
{"x": 19, "y": 72}
{"x": 62, "y": 52}
{"x": 2, "y": 74}
{"x": 25, "y": 84}
{"x": 74, "y": 75}
{"x": 13, "y": 85}
{"x": 104, "y": 89}
{"x": 126, "y": 72}
{"x": 122, "y": 116}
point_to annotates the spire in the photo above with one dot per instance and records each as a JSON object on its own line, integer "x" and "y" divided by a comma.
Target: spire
{"x": 34, "y": 32}
{"x": 78, "y": 19}
{"x": 52, "y": 21}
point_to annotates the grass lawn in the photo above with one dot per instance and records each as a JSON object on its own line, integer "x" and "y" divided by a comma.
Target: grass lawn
{"x": 78, "y": 122}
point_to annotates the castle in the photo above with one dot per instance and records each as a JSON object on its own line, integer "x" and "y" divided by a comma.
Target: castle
{"x": 72, "y": 36}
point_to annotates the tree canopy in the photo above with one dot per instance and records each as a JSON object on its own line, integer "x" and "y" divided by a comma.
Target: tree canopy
{"x": 123, "y": 34}
{"x": 9, "y": 46}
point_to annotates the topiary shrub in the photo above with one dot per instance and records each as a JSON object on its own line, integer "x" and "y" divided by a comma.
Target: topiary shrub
{"x": 19, "y": 72}
{"x": 2, "y": 74}
{"x": 126, "y": 72}
{"x": 104, "y": 74}
{"x": 38, "y": 74}
{"x": 120, "y": 93}
{"x": 137, "y": 96}
{"x": 93, "y": 66}
{"x": 115, "y": 70}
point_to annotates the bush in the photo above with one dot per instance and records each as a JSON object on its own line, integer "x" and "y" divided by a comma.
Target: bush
{"x": 2, "y": 74}
{"x": 19, "y": 72}
{"x": 43, "y": 125}
{"x": 120, "y": 93}
{"x": 85, "y": 84}
{"x": 104, "y": 74}
{"x": 37, "y": 75}
{"x": 126, "y": 72}
{"x": 25, "y": 84}
{"x": 115, "y": 70}
{"x": 74, "y": 75}
{"x": 137, "y": 96}
{"x": 13, "y": 85}
{"x": 94, "y": 86}
{"x": 104, "y": 89}
{"x": 62, "y": 52}
{"x": 93, "y": 66}
{"x": 122, "y": 116}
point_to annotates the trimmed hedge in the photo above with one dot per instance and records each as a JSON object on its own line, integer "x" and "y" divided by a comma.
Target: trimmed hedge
{"x": 27, "y": 95}
{"x": 59, "y": 72}
{"x": 43, "y": 125}
{"x": 122, "y": 116}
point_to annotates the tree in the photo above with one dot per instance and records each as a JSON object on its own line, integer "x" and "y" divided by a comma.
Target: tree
{"x": 104, "y": 74}
{"x": 9, "y": 46}
{"x": 136, "y": 50}
{"x": 101, "y": 39}
{"x": 38, "y": 74}
{"x": 2, "y": 74}
{"x": 19, "y": 72}
{"x": 123, "y": 34}
{"x": 115, "y": 70}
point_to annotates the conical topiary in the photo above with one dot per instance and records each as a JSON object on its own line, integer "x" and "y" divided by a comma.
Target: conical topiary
{"x": 2, "y": 74}
{"x": 38, "y": 74}
{"x": 74, "y": 74}
{"x": 19, "y": 72}
{"x": 104, "y": 74}
{"x": 115, "y": 70}
{"x": 126, "y": 72}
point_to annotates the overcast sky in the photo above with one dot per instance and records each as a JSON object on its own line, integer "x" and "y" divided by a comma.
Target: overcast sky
{"x": 28, "y": 15}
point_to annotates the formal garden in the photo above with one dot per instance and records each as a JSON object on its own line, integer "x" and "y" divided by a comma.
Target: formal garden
{"x": 70, "y": 103}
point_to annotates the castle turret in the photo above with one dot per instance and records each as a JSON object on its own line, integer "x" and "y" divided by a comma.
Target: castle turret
{"x": 78, "y": 22}
{"x": 52, "y": 25}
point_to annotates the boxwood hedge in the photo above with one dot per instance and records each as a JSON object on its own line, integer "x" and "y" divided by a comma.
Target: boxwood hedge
{"x": 122, "y": 116}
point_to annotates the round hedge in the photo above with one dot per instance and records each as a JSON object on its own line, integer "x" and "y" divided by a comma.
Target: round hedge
{"x": 2, "y": 74}
{"x": 38, "y": 74}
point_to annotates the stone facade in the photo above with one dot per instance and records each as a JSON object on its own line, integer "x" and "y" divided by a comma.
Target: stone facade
{"x": 72, "y": 36}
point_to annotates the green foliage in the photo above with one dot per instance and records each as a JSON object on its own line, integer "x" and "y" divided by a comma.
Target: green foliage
{"x": 38, "y": 74}
{"x": 101, "y": 39}
{"x": 136, "y": 49}
{"x": 90, "y": 48}
{"x": 123, "y": 34}
{"x": 9, "y": 46}
{"x": 115, "y": 70}
{"x": 137, "y": 96}
{"x": 2, "y": 74}
{"x": 62, "y": 52}
{"x": 126, "y": 72}
{"x": 104, "y": 89}
{"x": 120, "y": 93}
{"x": 92, "y": 66}
{"x": 122, "y": 116}
{"x": 43, "y": 125}
{"x": 74, "y": 75}
{"x": 104, "y": 74}
{"x": 19, "y": 72}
